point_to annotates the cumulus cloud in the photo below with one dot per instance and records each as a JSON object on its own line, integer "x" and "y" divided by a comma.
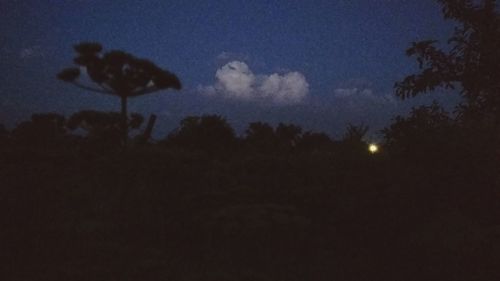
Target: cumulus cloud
{"x": 362, "y": 97}
{"x": 235, "y": 80}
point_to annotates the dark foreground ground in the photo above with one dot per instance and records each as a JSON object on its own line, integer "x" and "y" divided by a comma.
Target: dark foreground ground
{"x": 159, "y": 213}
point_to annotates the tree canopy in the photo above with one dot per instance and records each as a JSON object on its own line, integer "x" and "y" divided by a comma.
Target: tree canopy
{"x": 470, "y": 64}
{"x": 203, "y": 132}
{"x": 117, "y": 73}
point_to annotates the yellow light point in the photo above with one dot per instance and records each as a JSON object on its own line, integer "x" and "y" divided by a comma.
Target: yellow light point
{"x": 373, "y": 148}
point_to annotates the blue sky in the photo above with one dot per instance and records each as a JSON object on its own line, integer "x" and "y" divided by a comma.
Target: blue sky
{"x": 320, "y": 64}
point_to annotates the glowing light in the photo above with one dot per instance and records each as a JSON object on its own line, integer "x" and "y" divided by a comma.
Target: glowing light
{"x": 373, "y": 148}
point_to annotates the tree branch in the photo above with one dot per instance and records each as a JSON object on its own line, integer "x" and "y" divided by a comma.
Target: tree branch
{"x": 92, "y": 89}
{"x": 145, "y": 91}
{"x": 106, "y": 89}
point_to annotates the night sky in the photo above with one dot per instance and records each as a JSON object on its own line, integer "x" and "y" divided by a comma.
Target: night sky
{"x": 319, "y": 64}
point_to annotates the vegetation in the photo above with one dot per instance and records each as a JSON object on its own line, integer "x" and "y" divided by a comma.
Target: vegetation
{"x": 118, "y": 73}
{"x": 276, "y": 203}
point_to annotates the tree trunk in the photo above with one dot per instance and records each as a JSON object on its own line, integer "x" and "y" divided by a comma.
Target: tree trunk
{"x": 149, "y": 128}
{"x": 147, "y": 133}
{"x": 124, "y": 124}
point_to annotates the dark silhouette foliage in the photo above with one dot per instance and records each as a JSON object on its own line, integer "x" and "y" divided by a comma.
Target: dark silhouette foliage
{"x": 43, "y": 129}
{"x": 288, "y": 135}
{"x": 3, "y": 131}
{"x": 428, "y": 129}
{"x": 311, "y": 141}
{"x": 103, "y": 127}
{"x": 208, "y": 203}
{"x": 118, "y": 73}
{"x": 355, "y": 133}
{"x": 261, "y": 136}
{"x": 274, "y": 204}
{"x": 4, "y": 135}
{"x": 207, "y": 132}
{"x": 353, "y": 140}
{"x": 472, "y": 64}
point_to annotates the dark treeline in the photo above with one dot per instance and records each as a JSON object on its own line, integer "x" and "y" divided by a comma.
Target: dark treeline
{"x": 275, "y": 203}
{"x": 82, "y": 199}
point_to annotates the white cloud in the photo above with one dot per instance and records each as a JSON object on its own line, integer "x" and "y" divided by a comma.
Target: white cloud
{"x": 289, "y": 88}
{"x": 362, "y": 97}
{"x": 236, "y": 80}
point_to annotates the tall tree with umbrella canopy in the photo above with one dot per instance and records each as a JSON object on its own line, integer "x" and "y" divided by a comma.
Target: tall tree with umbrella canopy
{"x": 117, "y": 73}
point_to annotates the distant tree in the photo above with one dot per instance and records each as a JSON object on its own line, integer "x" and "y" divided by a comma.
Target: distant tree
{"x": 3, "y": 133}
{"x": 314, "y": 141}
{"x": 207, "y": 132}
{"x": 3, "y": 130}
{"x": 261, "y": 135}
{"x": 42, "y": 129}
{"x": 353, "y": 140}
{"x": 426, "y": 130}
{"x": 355, "y": 133}
{"x": 104, "y": 127}
{"x": 118, "y": 73}
{"x": 471, "y": 63}
{"x": 288, "y": 135}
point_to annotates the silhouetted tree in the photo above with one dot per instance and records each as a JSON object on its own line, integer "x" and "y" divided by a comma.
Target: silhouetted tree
{"x": 355, "y": 133}
{"x": 118, "y": 73}
{"x": 44, "y": 128}
{"x": 4, "y": 134}
{"x": 205, "y": 132}
{"x": 3, "y": 130}
{"x": 261, "y": 136}
{"x": 104, "y": 127}
{"x": 288, "y": 135}
{"x": 353, "y": 139}
{"x": 428, "y": 129}
{"x": 314, "y": 141}
{"x": 471, "y": 63}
